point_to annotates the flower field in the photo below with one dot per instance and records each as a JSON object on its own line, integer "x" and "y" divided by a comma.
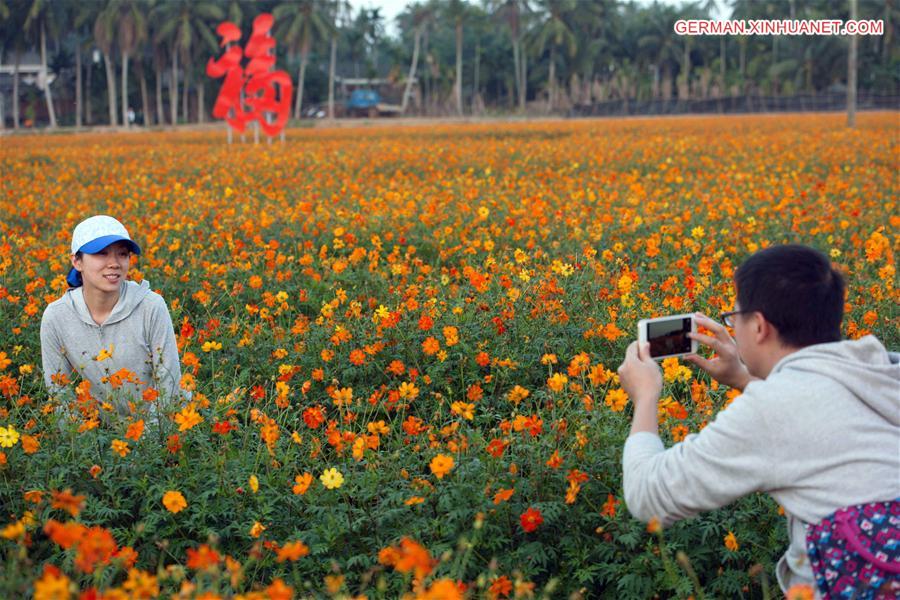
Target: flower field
{"x": 401, "y": 346}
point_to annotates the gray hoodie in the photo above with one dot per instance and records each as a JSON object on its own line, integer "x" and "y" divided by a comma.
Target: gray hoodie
{"x": 138, "y": 335}
{"x": 821, "y": 432}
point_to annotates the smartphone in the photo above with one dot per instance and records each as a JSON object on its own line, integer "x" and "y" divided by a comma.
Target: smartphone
{"x": 668, "y": 335}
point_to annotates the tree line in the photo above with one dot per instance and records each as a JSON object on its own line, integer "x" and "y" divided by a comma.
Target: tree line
{"x": 445, "y": 57}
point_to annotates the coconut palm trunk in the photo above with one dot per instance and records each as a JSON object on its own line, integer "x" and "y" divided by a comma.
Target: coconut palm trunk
{"x": 331, "y": 68}
{"x": 458, "y": 84}
{"x": 47, "y": 94}
{"x": 88, "y": 104}
{"x": 145, "y": 96}
{"x": 173, "y": 89}
{"x": 301, "y": 78}
{"x": 551, "y": 81}
{"x": 16, "y": 89}
{"x": 111, "y": 88}
{"x": 417, "y": 40}
{"x": 523, "y": 79}
{"x": 125, "y": 121}
{"x": 78, "y": 95}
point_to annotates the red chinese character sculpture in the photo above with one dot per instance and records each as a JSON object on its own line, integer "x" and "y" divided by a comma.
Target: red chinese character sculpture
{"x": 267, "y": 93}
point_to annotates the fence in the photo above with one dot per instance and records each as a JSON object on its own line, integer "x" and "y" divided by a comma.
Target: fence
{"x": 738, "y": 104}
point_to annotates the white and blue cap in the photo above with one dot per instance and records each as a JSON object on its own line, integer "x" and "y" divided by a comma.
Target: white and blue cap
{"x": 93, "y": 235}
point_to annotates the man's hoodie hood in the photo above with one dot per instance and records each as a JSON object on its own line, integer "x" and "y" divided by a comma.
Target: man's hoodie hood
{"x": 863, "y": 366}
{"x": 131, "y": 294}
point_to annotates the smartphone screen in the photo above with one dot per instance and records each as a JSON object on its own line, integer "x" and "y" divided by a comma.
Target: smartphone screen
{"x": 669, "y": 337}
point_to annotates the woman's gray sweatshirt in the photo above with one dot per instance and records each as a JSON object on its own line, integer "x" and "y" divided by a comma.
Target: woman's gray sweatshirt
{"x": 137, "y": 336}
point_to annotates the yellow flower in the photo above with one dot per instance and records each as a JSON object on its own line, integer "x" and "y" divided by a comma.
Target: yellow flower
{"x": 617, "y": 399}
{"x": 332, "y": 479}
{"x": 557, "y": 382}
{"x": 187, "y": 418}
{"x": 13, "y": 531}
{"x": 463, "y": 409}
{"x": 408, "y": 391}
{"x": 53, "y": 585}
{"x": 211, "y": 345}
{"x": 8, "y": 437}
{"x": 104, "y": 353}
{"x": 174, "y": 501}
{"x": 121, "y": 448}
{"x": 257, "y": 529}
{"x": 731, "y": 542}
{"x": 517, "y": 394}
{"x": 441, "y": 465}
{"x": 254, "y": 483}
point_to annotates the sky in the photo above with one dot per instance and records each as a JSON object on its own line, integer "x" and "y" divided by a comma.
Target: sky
{"x": 391, "y": 8}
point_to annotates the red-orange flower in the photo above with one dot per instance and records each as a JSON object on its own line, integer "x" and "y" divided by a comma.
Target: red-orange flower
{"x": 531, "y": 519}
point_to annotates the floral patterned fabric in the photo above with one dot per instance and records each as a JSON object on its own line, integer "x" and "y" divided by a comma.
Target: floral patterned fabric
{"x": 855, "y": 552}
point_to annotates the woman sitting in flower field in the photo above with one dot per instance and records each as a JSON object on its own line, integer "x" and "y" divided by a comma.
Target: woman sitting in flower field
{"x": 817, "y": 424}
{"x": 115, "y": 334}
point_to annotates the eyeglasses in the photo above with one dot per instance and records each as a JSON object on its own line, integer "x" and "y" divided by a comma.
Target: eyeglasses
{"x": 726, "y": 316}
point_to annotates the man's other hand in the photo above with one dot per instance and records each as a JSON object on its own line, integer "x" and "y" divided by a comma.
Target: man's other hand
{"x": 727, "y": 367}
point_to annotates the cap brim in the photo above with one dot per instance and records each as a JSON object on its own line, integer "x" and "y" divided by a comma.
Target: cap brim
{"x": 97, "y": 245}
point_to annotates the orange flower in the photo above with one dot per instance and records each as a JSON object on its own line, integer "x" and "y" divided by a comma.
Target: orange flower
{"x": 30, "y": 444}
{"x": 431, "y": 346}
{"x": 503, "y": 495}
{"x": 302, "y": 483}
{"x": 500, "y": 587}
{"x": 292, "y": 551}
{"x": 96, "y": 548}
{"x": 202, "y": 558}
{"x": 609, "y": 507}
{"x": 174, "y": 501}
{"x": 135, "y": 430}
{"x": 278, "y": 590}
{"x": 800, "y": 591}
{"x": 554, "y": 461}
{"x": 441, "y": 465}
{"x": 67, "y": 501}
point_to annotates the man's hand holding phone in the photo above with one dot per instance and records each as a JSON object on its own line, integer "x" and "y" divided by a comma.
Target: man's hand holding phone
{"x": 727, "y": 367}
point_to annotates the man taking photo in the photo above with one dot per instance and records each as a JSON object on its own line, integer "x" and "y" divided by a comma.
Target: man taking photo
{"x": 817, "y": 426}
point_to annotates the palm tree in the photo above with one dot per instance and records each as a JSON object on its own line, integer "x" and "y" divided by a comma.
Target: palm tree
{"x": 337, "y": 11}
{"x": 457, "y": 12}
{"x": 421, "y": 15}
{"x": 301, "y": 22}
{"x": 658, "y": 41}
{"x": 511, "y": 11}
{"x": 184, "y": 25}
{"x": 555, "y": 32}
{"x": 132, "y": 31}
{"x": 104, "y": 37}
{"x": 13, "y": 38}
{"x": 40, "y": 18}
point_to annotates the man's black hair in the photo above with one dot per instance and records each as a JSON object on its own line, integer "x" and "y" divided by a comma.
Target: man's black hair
{"x": 796, "y": 290}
